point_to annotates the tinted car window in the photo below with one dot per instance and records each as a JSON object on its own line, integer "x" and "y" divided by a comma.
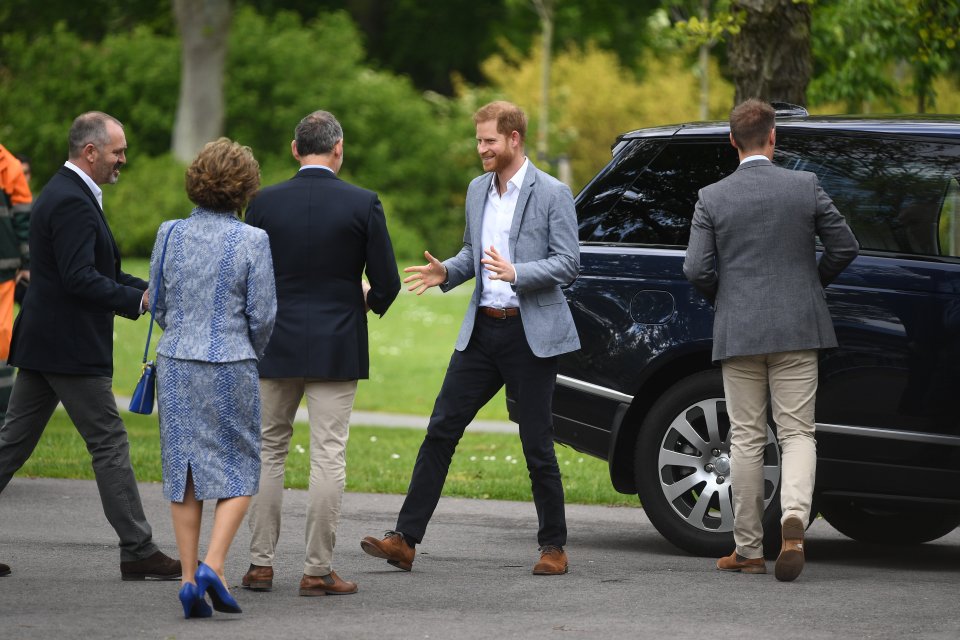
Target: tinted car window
{"x": 601, "y": 195}
{"x": 656, "y": 209}
{"x": 898, "y": 196}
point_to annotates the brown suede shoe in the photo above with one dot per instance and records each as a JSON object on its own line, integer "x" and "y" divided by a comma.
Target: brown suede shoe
{"x": 4, "y": 569}
{"x": 736, "y": 562}
{"x": 790, "y": 561}
{"x": 553, "y": 561}
{"x": 330, "y": 584}
{"x": 258, "y": 578}
{"x": 159, "y": 566}
{"x": 392, "y": 547}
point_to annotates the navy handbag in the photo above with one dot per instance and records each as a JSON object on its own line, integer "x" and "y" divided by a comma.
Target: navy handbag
{"x": 142, "y": 399}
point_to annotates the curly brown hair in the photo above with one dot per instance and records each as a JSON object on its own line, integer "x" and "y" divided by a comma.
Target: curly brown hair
{"x": 223, "y": 177}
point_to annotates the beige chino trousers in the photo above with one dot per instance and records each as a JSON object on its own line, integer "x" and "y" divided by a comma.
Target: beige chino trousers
{"x": 329, "y": 404}
{"x": 789, "y": 379}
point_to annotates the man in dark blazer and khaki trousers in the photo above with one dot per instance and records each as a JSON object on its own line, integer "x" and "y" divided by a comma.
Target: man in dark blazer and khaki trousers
{"x": 63, "y": 337}
{"x": 324, "y": 233}
{"x": 520, "y": 246}
{"x": 753, "y": 255}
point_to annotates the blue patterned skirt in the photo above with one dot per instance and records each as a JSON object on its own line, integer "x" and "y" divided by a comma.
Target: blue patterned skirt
{"x": 209, "y": 425}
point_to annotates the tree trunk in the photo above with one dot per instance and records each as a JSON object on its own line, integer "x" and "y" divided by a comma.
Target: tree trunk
{"x": 204, "y": 26}
{"x": 770, "y": 57}
{"x": 545, "y": 11}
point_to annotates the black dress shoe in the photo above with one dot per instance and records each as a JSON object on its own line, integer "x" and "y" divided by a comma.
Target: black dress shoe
{"x": 159, "y": 566}
{"x": 4, "y": 569}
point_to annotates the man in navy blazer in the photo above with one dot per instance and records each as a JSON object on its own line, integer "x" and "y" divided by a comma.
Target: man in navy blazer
{"x": 324, "y": 233}
{"x": 521, "y": 246}
{"x": 63, "y": 337}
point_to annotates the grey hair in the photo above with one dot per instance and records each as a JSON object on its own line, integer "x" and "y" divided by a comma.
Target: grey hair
{"x": 317, "y": 133}
{"x": 87, "y": 128}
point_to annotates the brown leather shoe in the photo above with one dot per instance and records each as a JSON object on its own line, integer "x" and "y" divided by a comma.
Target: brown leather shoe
{"x": 790, "y": 561}
{"x": 553, "y": 561}
{"x": 736, "y": 562}
{"x": 258, "y": 578}
{"x": 159, "y": 566}
{"x": 330, "y": 584}
{"x": 4, "y": 569}
{"x": 392, "y": 547}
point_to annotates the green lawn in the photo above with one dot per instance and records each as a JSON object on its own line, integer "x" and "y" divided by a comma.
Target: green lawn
{"x": 409, "y": 350}
{"x": 379, "y": 460}
{"x": 410, "y": 347}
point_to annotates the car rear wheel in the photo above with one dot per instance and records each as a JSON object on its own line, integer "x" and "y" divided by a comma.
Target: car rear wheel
{"x": 888, "y": 524}
{"x": 682, "y": 469}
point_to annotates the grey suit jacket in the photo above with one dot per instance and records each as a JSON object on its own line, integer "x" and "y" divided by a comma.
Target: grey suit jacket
{"x": 545, "y": 251}
{"x": 752, "y": 253}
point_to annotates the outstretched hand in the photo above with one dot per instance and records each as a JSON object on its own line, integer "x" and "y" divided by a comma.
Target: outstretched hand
{"x": 429, "y": 275}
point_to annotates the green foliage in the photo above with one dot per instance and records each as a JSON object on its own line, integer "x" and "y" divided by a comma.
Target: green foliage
{"x": 55, "y": 76}
{"x": 406, "y": 146}
{"x": 415, "y": 150}
{"x": 583, "y": 126}
{"x": 150, "y": 190}
{"x": 879, "y": 51}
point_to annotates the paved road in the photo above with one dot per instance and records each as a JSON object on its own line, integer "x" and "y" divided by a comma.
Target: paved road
{"x": 471, "y": 580}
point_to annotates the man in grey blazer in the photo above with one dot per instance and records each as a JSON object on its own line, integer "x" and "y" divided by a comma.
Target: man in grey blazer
{"x": 752, "y": 254}
{"x": 521, "y": 245}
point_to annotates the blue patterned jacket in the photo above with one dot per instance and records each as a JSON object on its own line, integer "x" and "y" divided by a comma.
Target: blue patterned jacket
{"x": 217, "y": 300}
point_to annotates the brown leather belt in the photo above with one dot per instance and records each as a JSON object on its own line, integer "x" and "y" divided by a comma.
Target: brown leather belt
{"x": 500, "y": 314}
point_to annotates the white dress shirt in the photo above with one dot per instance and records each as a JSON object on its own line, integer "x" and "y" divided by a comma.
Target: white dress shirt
{"x": 97, "y": 191}
{"x": 758, "y": 156}
{"x": 497, "y": 219}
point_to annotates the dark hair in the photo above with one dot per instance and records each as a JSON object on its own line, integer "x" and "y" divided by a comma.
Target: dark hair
{"x": 750, "y": 124}
{"x": 87, "y": 128}
{"x": 22, "y": 157}
{"x": 509, "y": 117}
{"x": 223, "y": 177}
{"x": 317, "y": 133}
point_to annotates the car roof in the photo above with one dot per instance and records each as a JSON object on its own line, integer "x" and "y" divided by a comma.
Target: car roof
{"x": 917, "y": 125}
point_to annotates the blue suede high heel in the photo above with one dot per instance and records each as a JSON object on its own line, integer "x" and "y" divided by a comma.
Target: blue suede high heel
{"x": 209, "y": 582}
{"x": 194, "y": 604}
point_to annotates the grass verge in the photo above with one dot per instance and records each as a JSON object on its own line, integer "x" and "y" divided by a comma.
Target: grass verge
{"x": 410, "y": 347}
{"x": 379, "y": 460}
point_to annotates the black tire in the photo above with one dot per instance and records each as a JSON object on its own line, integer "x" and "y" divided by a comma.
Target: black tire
{"x": 699, "y": 527}
{"x": 888, "y": 524}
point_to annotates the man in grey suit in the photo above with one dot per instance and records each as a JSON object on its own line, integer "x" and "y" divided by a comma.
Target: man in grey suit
{"x": 521, "y": 245}
{"x": 752, "y": 254}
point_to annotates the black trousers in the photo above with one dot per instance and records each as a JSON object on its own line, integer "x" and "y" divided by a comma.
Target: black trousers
{"x": 498, "y": 354}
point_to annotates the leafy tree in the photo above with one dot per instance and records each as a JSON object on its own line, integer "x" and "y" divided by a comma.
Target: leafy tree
{"x": 584, "y": 128}
{"x": 869, "y": 51}
{"x": 55, "y": 76}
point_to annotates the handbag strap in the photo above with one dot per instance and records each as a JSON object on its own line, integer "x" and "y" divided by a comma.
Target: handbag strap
{"x": 156, "y": 290}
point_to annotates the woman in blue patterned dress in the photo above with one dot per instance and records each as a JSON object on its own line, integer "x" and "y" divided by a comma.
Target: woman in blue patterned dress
{"x": 216, "y": 303}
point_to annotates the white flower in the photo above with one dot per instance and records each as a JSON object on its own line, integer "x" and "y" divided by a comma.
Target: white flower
{"x": 473, "y": 458}
{"x": 373, "y": 438}
{"x": 395, "y": 456}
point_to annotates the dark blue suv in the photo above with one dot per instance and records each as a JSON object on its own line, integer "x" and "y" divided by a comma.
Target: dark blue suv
{"x": 642, "y": 392}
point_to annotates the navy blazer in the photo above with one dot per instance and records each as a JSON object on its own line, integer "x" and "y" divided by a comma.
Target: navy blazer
{"x": 76, "y": 285}
{"x": 324, "y": 233}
